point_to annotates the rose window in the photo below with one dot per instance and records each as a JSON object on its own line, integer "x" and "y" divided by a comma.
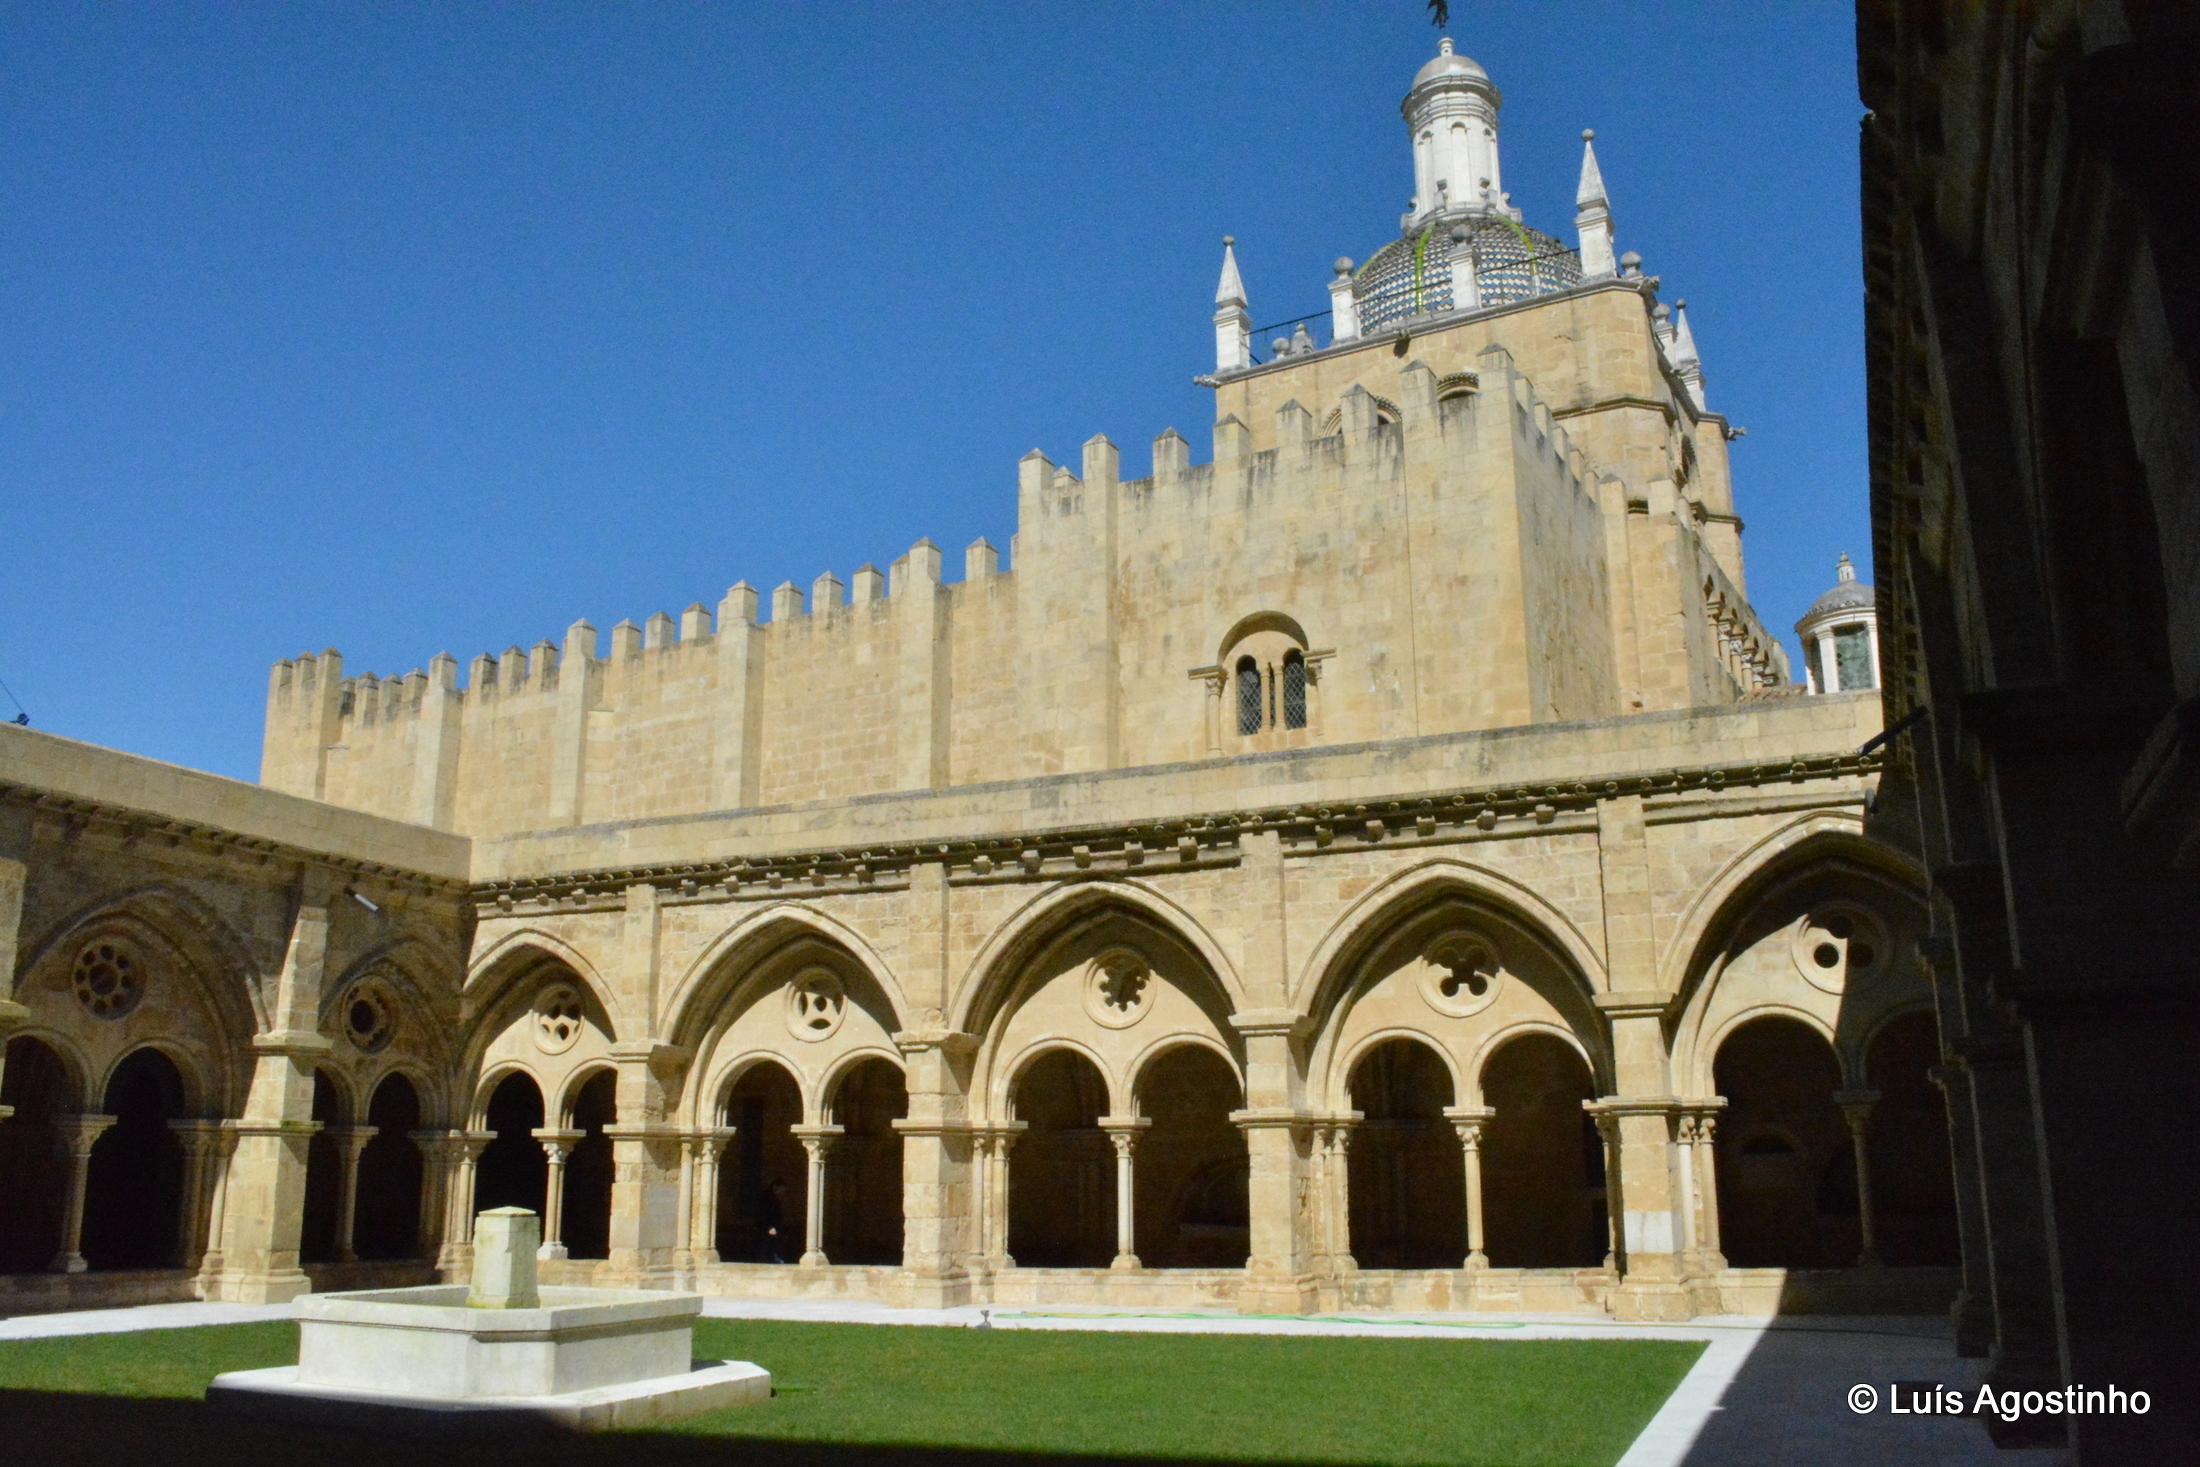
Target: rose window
{"x": 1118, "y": 989}
{"x": 370, "y": 1018}
{"x": 1840, "y": 946}
{"x": 816, "y": 1003}
{"x": 1461, "y": 975}
{"x": 558, "y": 1019}
{"x": 108, "y": 979}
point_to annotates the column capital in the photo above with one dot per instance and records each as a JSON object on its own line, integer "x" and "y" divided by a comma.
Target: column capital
{"x": 557, "y": 1143}
{"x": 818, "y": 1140}
{"x": 354, "y": 1138}
{"x": 1468, "y": 1122}
{"x": 709, "y": 1141}
{"x": 13, "y": 1016}
{"x": 292, "y": 1043}
{"x": 1256, "y": 1023}
{"x": 80, "y": 1131}
{"x": 1616, "y": 1106}
{"x": 1856, "y": 1107}
{"x": 953, "y": 1043}
{"x": 1633, "y": 1003}
{"x": 1270, "y": 1120}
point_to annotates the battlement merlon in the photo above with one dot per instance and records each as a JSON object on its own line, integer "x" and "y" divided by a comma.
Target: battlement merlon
{"x": 1073, "y": 658}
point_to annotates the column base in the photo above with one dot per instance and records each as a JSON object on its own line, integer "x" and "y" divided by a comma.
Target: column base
{"x": 277, "y": 1287}
{"x": 815, "y": 1258}
{"x": 69, "y": 1263}
{"x": 551, "y": 1253}
{"x": 1275, "y": 1294}
{"x": 1650, "y": 1301}
{"x": 1125, "y": 1263}
{"x": 934, "y": 1291}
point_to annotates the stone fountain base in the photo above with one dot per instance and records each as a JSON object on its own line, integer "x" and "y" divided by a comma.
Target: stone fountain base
{"x": 422, "y": 1361}
{"x": 449, "y": 1359}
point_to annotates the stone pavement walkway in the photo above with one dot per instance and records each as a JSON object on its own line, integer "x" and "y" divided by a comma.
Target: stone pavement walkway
{"x": 1764, "y": 1391}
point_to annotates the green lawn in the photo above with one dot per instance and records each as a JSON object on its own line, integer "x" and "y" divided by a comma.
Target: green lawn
{"x": 857, "y": 1393}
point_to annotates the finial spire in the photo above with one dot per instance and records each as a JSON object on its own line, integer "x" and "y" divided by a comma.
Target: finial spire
{"x": 1591, "y": 189}
{"x": 1233, "y": 322}
{"x": 1844, "y": 572}
{"x": 1686, "y": 363}
{"x": 1593, "y": 214}
{"x": 1231, "y": 292}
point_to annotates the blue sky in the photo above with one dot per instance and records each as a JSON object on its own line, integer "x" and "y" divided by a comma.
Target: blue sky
{"x": 403, "y": 329}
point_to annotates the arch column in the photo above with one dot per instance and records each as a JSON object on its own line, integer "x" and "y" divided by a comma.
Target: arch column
{"x": 1123, "y": 1133}
{"x": 557, "y": 1148}
{"x": 707, "y": 1147}
{"x": 200, "y": 1140}
{"x": 350, "y": 1141}
{"x": 1641, "y": 1190}
{"x": 817, "y": 1145}
{"x": 1002, "y": 1139}
{"x": 436, "y": 1167}
{"x": 1333, "y": 1192}
{"x": 223, "y": 1146}
{"x": 461, "y": 1159}
{"x": 1694, "y": 1131}
{"x": 81, "y": 1133}
{"x": 1468, "y": 1122}
{"x": 1280, "y": 1275}
{"x": 645, "y": 1158}
{"x": 267, "y": 1176}
{"x": 1856, "y": 1110}
{"x": 941, "y": 1197}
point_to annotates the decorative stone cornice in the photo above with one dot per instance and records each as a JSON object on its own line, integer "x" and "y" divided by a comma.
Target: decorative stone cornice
{"x": 70, "y": 817}
{"x": 1137, "y": 847}
{"x": 1633, "y": 1003}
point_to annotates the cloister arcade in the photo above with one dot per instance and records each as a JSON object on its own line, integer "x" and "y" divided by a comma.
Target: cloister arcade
{"x": 1455, "y": 1052}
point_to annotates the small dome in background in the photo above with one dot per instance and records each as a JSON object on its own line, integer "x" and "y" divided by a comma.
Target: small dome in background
{"x": 1449, "y": 63}
{"x": 1848, "y": 594}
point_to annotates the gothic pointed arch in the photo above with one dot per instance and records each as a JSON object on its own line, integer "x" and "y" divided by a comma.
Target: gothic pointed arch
{"x": 150, "y": 965}
{"x": 513, "y": 957}
{"x": 734, "y": 955}
{"x": 1454, "y": 955}
{"x": 1013, "y": 943}
{"x": 1814, "y": 922}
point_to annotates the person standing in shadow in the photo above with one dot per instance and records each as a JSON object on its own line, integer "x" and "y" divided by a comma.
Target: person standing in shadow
{"x": 771, "y": 1221}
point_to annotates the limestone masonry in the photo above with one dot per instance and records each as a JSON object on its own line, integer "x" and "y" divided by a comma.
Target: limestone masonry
{"x": 1388, "y": 864}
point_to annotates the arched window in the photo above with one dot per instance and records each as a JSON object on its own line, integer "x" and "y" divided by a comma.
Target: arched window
{"x": 1249, "y": 699}
{"x": 1294, "y": 690}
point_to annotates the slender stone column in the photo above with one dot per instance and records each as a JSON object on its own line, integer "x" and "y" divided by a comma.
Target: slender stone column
{"x": 1707, "y": 1186}
{"x": 436, "y": 1165}
{"x": 456, "y": 1255}
{"x": 350, "y": 1141}
{"x": 1123, "y": 1133}
{"x": 224, "y": 1145}
{"x": 1684, "y": 1174}
{"x": 1856, "y": 1110}
{"x": 557, "y": 1147}
{"x": 1004, "y": 1141}
{"x": 1608, "y": 1133}
{"x": 817, "y": 1142}
{"x": 683, "y": 1222}
{"x": 1338, "y": 1201}
{"x": 199, "y": 1139}
{"x": 1468, "y": 1122}
{"x": 710, "y": 1148}
{"x": 81, "y": 1133}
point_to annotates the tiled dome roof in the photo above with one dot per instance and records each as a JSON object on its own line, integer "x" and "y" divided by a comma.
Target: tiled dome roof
{"x": 1411, "y": 276}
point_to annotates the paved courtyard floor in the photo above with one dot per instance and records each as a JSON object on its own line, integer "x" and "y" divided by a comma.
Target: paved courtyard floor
{"x": 1764, "y": 1391}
